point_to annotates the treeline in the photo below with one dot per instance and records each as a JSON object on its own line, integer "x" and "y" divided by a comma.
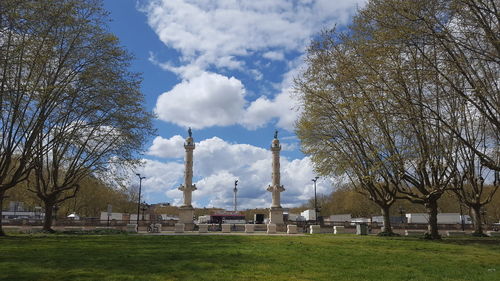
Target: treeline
{"x": 69, "y": 106}
{"x": 405, "y": 103}
{"x": 92, "y": 199}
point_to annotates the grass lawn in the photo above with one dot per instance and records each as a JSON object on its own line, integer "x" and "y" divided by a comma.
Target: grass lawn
{"x": 316, "y": 257}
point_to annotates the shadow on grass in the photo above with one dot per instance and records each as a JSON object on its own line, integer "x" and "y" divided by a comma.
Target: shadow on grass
{"x": 482, "y": 241}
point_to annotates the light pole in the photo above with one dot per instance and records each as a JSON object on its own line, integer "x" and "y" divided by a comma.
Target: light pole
{"x": 235, "y": 190}
{"x": 315, "y": 200}
{"x": 139, "y": 201}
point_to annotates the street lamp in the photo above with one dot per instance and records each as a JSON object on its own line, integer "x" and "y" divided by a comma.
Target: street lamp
{"x": 139, "y": 201}
{"x": 315, "y": 200}
{"x": 235, "y": 191}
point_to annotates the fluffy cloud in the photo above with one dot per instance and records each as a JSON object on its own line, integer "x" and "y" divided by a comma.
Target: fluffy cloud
{"x": 283, "y": 107}
{"x": 218, "y": 163}
{"x": 215, "y": 100}
{"x": 223, "y": 35}
{"x": 160, "y": 175}
{"x": 217, "y": 32}
{"x": 206, "y": 100}
{"x": 167, "y": 148}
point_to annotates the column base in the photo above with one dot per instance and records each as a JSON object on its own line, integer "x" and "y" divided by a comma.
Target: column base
{"x": 276, "y": 215}
{"x": 186, "y": 216}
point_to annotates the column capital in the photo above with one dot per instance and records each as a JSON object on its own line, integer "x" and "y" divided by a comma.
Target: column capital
{"x": 190, "y": 188}
{"x": 272, "y": 188}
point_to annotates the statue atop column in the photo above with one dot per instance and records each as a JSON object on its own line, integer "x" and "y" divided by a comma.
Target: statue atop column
{"x": 276, "y": 213}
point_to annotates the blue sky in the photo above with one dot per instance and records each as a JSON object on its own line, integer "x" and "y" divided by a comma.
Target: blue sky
{"x": 226, "y": 69}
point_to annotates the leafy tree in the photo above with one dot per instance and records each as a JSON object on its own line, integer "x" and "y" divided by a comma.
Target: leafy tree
{"x": 443, "y": 71}
{"x": 71, "y": 107}
{"x": 465, "y": 35}
{"x": 345, "y": 124}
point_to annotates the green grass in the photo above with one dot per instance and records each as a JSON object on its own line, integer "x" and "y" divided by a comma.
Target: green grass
{"x": 317, "y": 257}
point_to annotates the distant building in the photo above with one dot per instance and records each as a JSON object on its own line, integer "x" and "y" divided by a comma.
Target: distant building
{"x": 340, "y": 218}
{"x": 309, "y": 215}
{"x": 17, "y": 210}
{"x": 222, "y": 218}
{"x": 392, "y": 219}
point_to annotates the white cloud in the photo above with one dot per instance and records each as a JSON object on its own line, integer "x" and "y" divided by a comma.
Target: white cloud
{"x": 223, "y": 34}
{"x": 217, "y": 32}
{"x": 218, "y": 163}
{"x": 273, "y": 55}
{"x": 215, "y": 100}
{"x": 203, "y": 101}
{"x": 283, "y": 107}
{"x": 167, "y": 148}
{"x": 160, "y": 175}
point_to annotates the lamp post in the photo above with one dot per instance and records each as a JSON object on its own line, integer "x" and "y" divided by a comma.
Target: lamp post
{"x": 315, "y": 200}
{"x": 139, "y": 201}
{"x": 235, "y": 191}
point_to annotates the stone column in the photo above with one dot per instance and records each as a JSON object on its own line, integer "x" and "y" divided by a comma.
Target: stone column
{"x": 276, "y": 212}
{"x": 186, "y": 211}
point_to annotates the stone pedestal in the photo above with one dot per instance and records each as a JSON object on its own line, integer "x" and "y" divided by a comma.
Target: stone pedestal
{"x": 226, "y": 228}
{"x": 315, "y": 229}
{"x": 132, "y": 228}
{"x": 271, "y": 228}
{"x": 291, "y": 229}
{"x": 186, "y": 215}
{"x": 179, "y": 228}
{"x": 339, "y": 230}
{"x": 276, "y": 215}
{"x": 203, "y": 228}
{"x": 249, "y": 228}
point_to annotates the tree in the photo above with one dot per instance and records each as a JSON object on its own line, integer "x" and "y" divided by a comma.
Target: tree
{"x": 345, "y": 124}
{"x": 445, "y": 58}
{"x": 30, "y": 86}
{"x": 415, "y": 91}
{"x": 466, "y": 38}
{"x": 70, "y": 104}
{"x": 475, "y": 184}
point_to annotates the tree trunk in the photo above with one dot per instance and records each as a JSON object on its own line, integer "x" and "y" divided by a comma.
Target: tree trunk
{"x": 387, "y": 219}
{"x": 47, "y": 220}
{"x": 431, "y": 207}
{"x": 1, "y": 208}
{"x": 478, "y": 223}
